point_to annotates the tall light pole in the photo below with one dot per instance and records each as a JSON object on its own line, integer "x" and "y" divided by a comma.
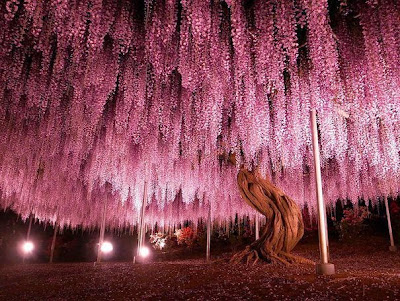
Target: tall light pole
{"x": 324, "y": 267}
{"x": 102, "y": 230}
{"x": 28, "y": 233}
{"x": 142, "y": 231}
{"x": 392, "y": 247}
{"x": 208, "y": 235}
{"x": 53, "y": 242}
{"x": 257, "y": 222}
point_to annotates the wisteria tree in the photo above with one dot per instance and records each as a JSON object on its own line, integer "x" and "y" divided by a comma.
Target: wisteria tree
{"x": 284, "y": 227}
{"x": 106, "y": 93}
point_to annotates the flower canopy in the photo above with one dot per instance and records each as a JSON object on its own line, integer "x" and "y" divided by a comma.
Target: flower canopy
{"x": 99, "y": 96}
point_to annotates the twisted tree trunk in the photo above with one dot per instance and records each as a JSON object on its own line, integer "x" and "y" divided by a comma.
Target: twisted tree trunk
{"x": 284, "y": 226}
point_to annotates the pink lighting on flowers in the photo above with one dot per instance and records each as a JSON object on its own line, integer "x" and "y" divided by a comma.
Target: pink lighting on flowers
{"x": 112, "y": 93}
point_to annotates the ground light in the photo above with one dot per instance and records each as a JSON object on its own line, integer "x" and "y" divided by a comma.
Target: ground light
{"x": 144, "y": 252}
{"x": 27, "y": 247}
{"x": 106, "y": 247}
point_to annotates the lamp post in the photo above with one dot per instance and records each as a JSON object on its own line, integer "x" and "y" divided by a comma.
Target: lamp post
{"x": 324, "y": 267}
{"x": 257, "y": 221}
{"x": 28, "y": 234}
{"x": 392, "y": 247}
{"x": 53, "y": 242}
{"x": 208, "y": 234}
{"x": 141, "y": 233}
{"x": 102, "y": 230}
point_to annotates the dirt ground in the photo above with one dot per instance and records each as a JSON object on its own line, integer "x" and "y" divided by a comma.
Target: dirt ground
{"x": 365, "y": 271}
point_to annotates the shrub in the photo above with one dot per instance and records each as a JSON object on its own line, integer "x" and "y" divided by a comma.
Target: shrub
{"x": 186, "y": 236}
{"x": 352, "y": 224}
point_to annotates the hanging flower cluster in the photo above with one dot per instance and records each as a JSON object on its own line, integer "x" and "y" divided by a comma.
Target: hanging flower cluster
{"x": 98, "y": 96}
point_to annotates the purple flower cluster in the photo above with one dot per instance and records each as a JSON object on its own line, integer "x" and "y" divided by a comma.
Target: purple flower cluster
{"x": 98, "y": 96}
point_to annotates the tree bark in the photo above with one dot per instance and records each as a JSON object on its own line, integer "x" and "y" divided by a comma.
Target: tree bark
{"x": 284, "y": 227}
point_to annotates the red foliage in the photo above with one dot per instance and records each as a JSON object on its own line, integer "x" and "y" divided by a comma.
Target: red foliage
{"x": 186, "y": 236}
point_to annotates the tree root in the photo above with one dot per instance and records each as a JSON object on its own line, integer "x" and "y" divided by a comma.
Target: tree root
{"x": 296, "y": 259}
{"x": 248, "y": 255}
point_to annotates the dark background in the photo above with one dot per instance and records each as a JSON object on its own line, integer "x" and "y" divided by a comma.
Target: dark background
{"x": 80, "y": 245}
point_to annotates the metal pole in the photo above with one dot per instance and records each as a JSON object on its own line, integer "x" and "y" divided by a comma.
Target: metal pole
{"x": 208, "y": 234}
{"x": 324, "y": 268}
{"x": 257, "y": 226}
{"x": 28, "y": 233}
{"x": 141, "y": 231}
{"x": 143, "y": 226}
{"x": 53, "y": 242}
{"x": 392, "y": 247}
{"x": 102, "y": 230}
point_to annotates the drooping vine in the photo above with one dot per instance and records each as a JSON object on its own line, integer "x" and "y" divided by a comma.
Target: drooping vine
{"x": 104, "y": 91}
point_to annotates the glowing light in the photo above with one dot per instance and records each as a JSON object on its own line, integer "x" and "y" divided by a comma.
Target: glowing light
{"x": 162, "y": 244}
{"x": 106, "y": 247}
{"x": 28, "y": 247}
{"x": 144, "y": 251}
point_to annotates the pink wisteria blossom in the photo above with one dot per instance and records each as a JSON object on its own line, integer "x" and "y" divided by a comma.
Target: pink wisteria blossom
{"x": 99, "y": 96}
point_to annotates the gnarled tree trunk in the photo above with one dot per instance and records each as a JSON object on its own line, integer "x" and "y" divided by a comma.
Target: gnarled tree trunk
{"x": 284, "y": 226}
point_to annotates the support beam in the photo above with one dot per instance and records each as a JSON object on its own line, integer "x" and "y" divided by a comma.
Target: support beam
{"x": 102, "y": 230}
{"x": 208, "y": 234}
{"x": 324, "y": 267}
{"x": 257, "y": 222}
{"x": 53, "y": 242}
{"x": 142, "y": 230}
{"x": 28, "y": 233}
{"x": 392, "y": 247}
